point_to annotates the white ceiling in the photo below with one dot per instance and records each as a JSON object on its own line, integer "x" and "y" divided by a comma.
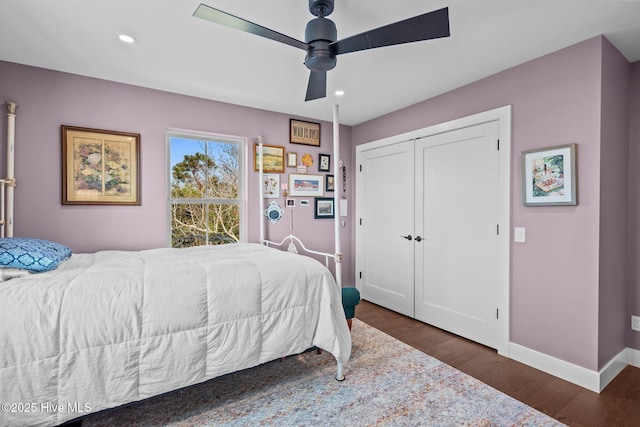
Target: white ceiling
{"x": 178, "y": 53}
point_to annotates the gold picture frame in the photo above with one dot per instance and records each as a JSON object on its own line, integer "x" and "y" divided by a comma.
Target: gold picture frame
{"x": 292, "y": 159}
{"x": 272, "y": 159}
{"x": 100, "y": 167}
{"x": 305, "y": 133}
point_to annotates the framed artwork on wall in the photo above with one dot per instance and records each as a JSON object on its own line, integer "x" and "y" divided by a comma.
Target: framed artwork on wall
{"x": 272, "y": 158}
{"x": 292, "y": 159}
{"x": 271, "y": 185}
{"x": 324, "y": 161}
{"x": 324, "y": 208}
{"x": 306, "y": 133}
{"x": 100, "y": 167}
{"x": 330, "y": 183}
{"x": 306, "y": 185}
{"x": 549, "y": 176}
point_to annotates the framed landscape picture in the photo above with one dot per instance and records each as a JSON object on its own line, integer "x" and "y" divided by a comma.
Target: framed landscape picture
{"x": 306, "y": 185}
{"x": 272, "y": 158}
{"x": 549, "y": 176}
{"x": 324, "y": 208}
{"x": 100, "y": 167}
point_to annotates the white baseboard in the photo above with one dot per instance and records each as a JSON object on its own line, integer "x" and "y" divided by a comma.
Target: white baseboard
{"x": 591, "y": 380}
{"x": 634, "y": 357}
{"x": 613, "y": 368}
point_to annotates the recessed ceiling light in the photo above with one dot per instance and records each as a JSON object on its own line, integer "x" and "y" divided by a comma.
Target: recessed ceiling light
{"x": 125, "y": 38}
{"x": 339, "y": 92}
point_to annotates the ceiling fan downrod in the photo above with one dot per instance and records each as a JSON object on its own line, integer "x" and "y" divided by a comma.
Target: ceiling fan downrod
{"x": 321, "y": 8}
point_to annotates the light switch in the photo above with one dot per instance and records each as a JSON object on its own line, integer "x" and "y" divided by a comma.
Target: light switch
{"x": 519, "y": 234}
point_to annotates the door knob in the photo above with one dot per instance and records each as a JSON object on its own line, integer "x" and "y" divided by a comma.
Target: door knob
{"x": 409, "y": 237}
{"x": 418, "y": 239}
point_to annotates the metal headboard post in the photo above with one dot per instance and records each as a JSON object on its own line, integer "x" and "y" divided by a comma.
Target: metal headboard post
{"x": 8, "y": 184}
{"x": 336, "y": 197}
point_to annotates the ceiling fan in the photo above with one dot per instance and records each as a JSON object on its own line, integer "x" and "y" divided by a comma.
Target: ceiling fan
{"x": 321, "y": 34}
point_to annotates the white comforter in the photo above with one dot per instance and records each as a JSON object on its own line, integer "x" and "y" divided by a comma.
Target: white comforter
{"x": 114, "y": 327}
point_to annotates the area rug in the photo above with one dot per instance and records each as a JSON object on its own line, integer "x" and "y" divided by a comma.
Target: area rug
{"x": 388, "y": 383}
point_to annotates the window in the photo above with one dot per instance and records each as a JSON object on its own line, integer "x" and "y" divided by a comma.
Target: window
{"x": 205, "y": 189}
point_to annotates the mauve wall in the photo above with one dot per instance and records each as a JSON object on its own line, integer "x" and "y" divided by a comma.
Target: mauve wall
{"x": 48, "y": 99}
{"x": 554, "y": 275}
{"x": 614, "y": 203}
{"x": 633, "y": 290}
{"x": 556, "y": 99}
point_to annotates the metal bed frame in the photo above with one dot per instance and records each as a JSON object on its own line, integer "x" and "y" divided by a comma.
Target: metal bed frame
{"x": 337, "y": 255}
{"x": 7, "y": 185}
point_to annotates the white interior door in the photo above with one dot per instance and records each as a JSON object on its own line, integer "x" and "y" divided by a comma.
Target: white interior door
{"x": 457, "y": 265}
{"x": 385, "y": 270}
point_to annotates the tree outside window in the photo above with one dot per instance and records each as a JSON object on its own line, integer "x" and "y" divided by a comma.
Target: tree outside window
{"x": 205, "y": 191}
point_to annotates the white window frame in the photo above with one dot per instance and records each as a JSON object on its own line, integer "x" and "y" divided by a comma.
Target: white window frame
{"x": 242, "y": 175}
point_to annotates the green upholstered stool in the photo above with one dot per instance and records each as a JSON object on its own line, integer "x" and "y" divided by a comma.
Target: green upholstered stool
{"x": 350, "y": 298}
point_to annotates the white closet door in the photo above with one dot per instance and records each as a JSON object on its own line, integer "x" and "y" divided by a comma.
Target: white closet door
{"x": 385, "y": 261}
{"x": 457, "y": 206}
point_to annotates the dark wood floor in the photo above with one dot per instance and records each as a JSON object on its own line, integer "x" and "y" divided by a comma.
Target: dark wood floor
{"x": 617, "y": 405}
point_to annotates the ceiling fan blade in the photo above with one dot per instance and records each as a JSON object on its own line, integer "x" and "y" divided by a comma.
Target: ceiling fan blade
{"x": 219, "y": 17}
{"x": 431, "y": 25}
{"x": 317, "y": 85}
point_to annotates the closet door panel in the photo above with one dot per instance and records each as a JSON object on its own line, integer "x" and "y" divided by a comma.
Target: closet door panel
{"x": 385, "y": 188}
{"x": 457, "y": 275}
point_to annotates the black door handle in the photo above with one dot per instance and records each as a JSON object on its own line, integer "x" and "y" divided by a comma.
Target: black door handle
{"x": 418, "y": 239}
{"x": 409, "y": 237}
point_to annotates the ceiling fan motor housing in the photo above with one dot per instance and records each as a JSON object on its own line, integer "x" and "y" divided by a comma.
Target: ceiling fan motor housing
{"x": 319, "y": 34}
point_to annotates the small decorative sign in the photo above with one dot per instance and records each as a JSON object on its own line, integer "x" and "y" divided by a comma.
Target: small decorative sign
{"x": 274, "y": 212}
{"x": 306, "y": 133}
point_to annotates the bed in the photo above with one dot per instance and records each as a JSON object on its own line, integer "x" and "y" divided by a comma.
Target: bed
{"x": 80, "y": 333}
{"x": 114, "y": 327}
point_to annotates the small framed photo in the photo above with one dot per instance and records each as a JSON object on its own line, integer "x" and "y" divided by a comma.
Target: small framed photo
{"x": 324, "y": 162}
{"x": 272, "y": 158}
{"x": 292, "y": 159}
{"x": 306, "y": 185}
{"x": 290, "y": 203}
{"x": 330, "y": 183}
{"x": 271, "y": 185}
{"x": 324, "y": 208}
{"x": 549, "y": 176}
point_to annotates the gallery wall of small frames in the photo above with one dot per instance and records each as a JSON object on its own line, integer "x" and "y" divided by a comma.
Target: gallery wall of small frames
{"x": 300, "y": 177}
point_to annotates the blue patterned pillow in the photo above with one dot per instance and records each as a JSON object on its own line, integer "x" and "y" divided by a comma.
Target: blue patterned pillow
{"x": 31, "y": 254}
